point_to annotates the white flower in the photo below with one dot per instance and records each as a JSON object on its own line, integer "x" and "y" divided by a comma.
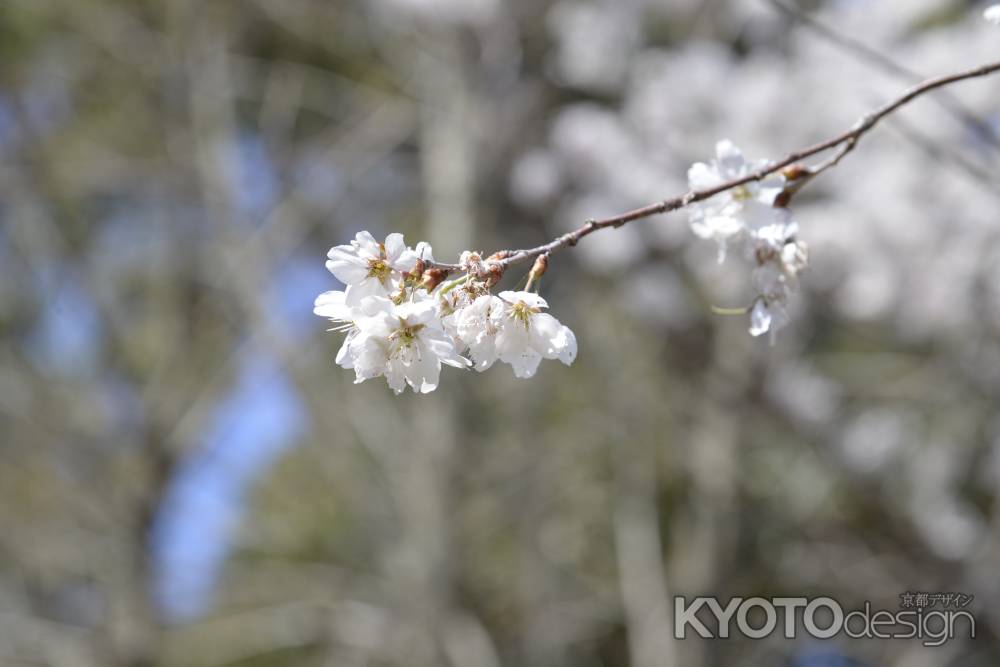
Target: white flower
{"x": 526, "y": 335}
{"x": 992, "y": 14}
{"x": 511, "y": 327}
{"x": 726, "y": 215}
{"x": 778, "y": 242}
{"x": 455, "y": 300}
{"x": 780, "y": 257}
{"x": 404, "y": 329}
{"x": 405, "y": 343}
{"x": 370, "y": 268}
{"x": 477, "y": 325}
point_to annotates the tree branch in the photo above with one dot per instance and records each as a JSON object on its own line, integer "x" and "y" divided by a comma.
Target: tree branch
{"x": 845, "y": 141}
{"x": 878, "y": 59}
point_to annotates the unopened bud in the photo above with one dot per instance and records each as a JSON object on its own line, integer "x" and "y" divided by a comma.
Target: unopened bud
{"x": 794, "y": 172}
{"x": 413, "y": 277}
{"x": 493, "y": 272}
{"x": 783, "y": 198}
{"x": 541, "y": 264}
{"x": 471, "y": 262}
{"x": 432, "y": 278}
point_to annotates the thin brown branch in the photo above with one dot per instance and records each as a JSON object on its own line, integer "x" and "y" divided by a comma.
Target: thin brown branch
{"x": 845, "y": 141}
{"x": 880, "y": 60}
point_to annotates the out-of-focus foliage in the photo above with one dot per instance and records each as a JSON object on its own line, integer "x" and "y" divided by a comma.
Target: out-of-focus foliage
{"x": 187, "y": 480}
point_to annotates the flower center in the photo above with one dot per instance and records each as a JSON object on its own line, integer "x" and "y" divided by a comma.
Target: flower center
{"x": 741, "y": 193}
{"x": 405, "y": 335}
{"x": 522, "y": 312}
{"x": 379, "y": 269}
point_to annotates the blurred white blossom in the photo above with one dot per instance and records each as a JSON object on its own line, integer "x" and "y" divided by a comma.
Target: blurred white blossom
{"x": 729, "y": 214}
{"x": 594, "y": 43}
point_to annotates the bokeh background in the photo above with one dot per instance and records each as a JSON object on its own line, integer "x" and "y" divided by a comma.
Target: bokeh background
{"x": 186, "y": 479}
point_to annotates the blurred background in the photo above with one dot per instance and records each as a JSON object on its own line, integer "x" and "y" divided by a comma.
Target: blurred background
{"x": 186, "y": 479}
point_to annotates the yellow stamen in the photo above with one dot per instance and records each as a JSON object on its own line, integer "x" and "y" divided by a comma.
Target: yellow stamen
{"x": 378, "y": 269}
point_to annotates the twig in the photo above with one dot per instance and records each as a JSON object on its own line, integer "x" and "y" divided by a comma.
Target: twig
{"x": 846, "y": 141}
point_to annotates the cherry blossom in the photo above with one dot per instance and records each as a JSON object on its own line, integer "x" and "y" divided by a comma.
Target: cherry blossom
{"x": 370, "y": 268}
{"x": 779, "y": 257}
{"x": 404, "y": 320}
{"x": 528, "y": 335}
{"x": 477, "y": 326}
{"x": 404, "y": 343}
{"x": 726, "y": 216}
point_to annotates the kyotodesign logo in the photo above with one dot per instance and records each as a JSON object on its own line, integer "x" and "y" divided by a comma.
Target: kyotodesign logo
{"x": 933, "y": 618}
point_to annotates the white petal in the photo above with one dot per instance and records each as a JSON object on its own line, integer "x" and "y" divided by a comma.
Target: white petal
{"x": 425, "y": 373}
{"x": 367, "y": 245}
{"x": 525, "y": 363}
{"x": 439, "y": 344}
{"x": 772, "y": 236}
{"x": 368, "y": 287}
{"x": 552, "y": 339}
{"x": 332, "y": 305}
{"x": 378, "y": 326}
{"x": 369, "y": 356}
{"x": 376, "y": 305}
{"x": 346, "y": 250}
{"x": 760, "y": 318}
{"x": 406, "y": 261}
{"x": 529, "y": 298}
{"x": 544, "y": 330}
{"x": 992, "y": 14}
{"x": 397, "y": 255}
{"x": 395, "y": 375}
{"x": 394, "y": 247}
{"x": 514, "y": 347}
{"x": 795, "y": 257}
{"x": 756, "y": 215}
{"x": 730, "y": 158}
{"x": 702, "y": 177}
{"x": 418, "y": 312}
{"x": 424, "y": 251}
{"x": 722, "y": 227}
{"x": 567, "y": 351}
{"x": 484, "y": 353}
{"x": 346, "y": 355}
{"x": 347, "y": 268}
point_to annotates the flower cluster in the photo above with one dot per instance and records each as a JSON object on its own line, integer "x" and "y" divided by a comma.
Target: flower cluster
{"x": 992, "y": 14}
{"x": 751, "y": 214}
{"x": 404, "y": 320}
